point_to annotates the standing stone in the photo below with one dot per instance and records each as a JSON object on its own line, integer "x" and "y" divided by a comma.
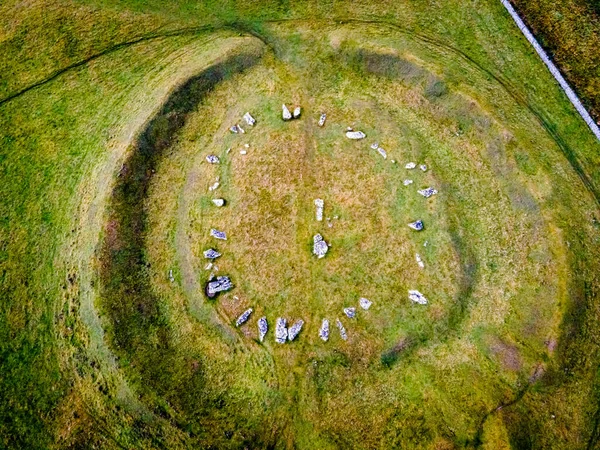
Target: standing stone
{"x": 410, "y": 165}
{"x": 419, "y": 261}
{"x": 285, "y": 112}
{"x": 171, "y": 277}
{"x": 297, "y": 112}
{"x": 244, "y": 317}
{"x": 417, "y": 226}
{"x": 249, "y": 119}
{"x": 320, "y": 204}
{"x": 417, "y": 297}
{"x": 340, "y": 326}
{"x": 213, "y": 159}
{"x": 423, "y": 167}
{"x": 218, "y": 234}
{"x": 350, "y": 312}
{"x": 365, "y": 303}
{"x": 281, "y": 332}
{"x": 263, "y": 327}
{"x": 295, "y": 330}
{"x": 324, "y": 330}
{"x": 355, "y": 135}
{"x": 211, "y": 253}
{"x": 218, "y": 201}
{"x": 220, "y": 284}
{"x": 320, "y": 247}
{"x": 428, "y": 192}
{"x": 322, "y": 119}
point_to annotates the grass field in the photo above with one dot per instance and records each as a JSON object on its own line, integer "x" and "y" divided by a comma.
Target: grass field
{"x": 105, "y": 191}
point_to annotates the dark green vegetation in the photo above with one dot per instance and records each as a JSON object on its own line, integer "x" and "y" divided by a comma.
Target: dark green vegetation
{"x": 109, "y": 110}
{"x": 570, "y": 31}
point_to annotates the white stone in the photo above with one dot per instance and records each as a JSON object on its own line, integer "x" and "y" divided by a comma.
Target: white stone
{"x": 218, "y": 201}
{"x": 419, "y": 261}
{"x": 171, "y": 277}
{"x": 244, "y": 317}
{"x": 365, "y": 303}
{"x": 281, "y": 332}
{"x": 243, "y": 152}
{"x": 285, "y": 113}
{"x": 417, "y": 225}
{"x": 320, "y": 247}
{"x": 213, "y": 159}
{"x": 324, "y": 330}
{"x": 208, "y": 266}
{"x": 410, "y": 165}
{"x": 340, "y": 326}
{"x": 214, "y": 186}
{"x": 249, "y": 119}
{"x": 263, "y": 327}
{"x": 320, "y": 204}
{"x": 428, "y": 192}
{"x": 417, "y": 297}
{"x": 211, "y": 253}
{"x": 350, "y": 312}
{"x": 407, "y": 182}
{"x": 423, "y": 167}
{"x": 322, "y": 119}
{"x": 382, "y": 152}
{"x": 297, "y": 112}
{"x": 375, "y": 145}
{"x": 355, "y": 135}
{"x": 218, "y": 234}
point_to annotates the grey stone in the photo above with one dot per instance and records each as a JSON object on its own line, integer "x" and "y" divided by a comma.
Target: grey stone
{"x": 220, "y": 284}
{"x": 320, "y": 204}
{"x": 417, "y": 297}
{"x": 211, "y": 253}
{"x": 322, "y": 119}
{"x": 365, "y": 303}
{"x": 281, "y": 332}
{"x": 340, "y": 326}
{"x": 297, "y": 112}
{"x": 350, "y": 312}
{"x": 263, "y": 327}
{"x": 428, "y": 192}
{"x": 234, "y": 129}
{"x": 249, "y": 119}
{"x": 295, "y": 330}
{"x": 218, "y": 201}
{"x": 218, "y": 234}
{"x": 410, "y": 165}
{"x": 324, "y": 330}
{"x": 285, "y": 113}
{"x": 355, "y": 135}
{"x": 320, "y": 247}
{"x": 213, "y": 159}
{"x": 244, "y": 317}
{"x": 417, "y": 225}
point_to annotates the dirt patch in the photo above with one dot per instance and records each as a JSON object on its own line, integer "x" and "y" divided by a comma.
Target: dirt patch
{"x": 507, "y": 354}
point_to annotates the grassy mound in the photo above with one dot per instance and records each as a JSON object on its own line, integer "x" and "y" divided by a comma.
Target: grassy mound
{"x": 107, "y": 192}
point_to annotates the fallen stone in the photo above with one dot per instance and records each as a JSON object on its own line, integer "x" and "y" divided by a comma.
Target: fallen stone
{"x": 249, "y": 119}
{"x": 428, "y": 192}
{"x": 410, "y": 165}
{"x": 322, "y": 119}
{"x": 355, "y": 135}
{"x": 208, "y": 266}
{"x": 365, "y": 303}
{"x": 417, "y": 226}
{"x": 244, "y": 317}
{"x": 211, "y": 253}
{"x": 281, "y": 332}
{"x": 423, "y": 167}
{"x": 220, "y": 284}
{"x": 212, "y": 159}
{"x": 425, "y": 243}
{"x": 382, "y": 152}
{"x": 243, "y": 152}
{"x": 295, "y": 330}
{"x": 215, "y": 268}
{"x": 297, "y": 112}
{"x": 350, "y": 312}
{"x": 393, "y": 161}
{"x": 227, "y": 151}
{"x": 417, "y": 297}
{"x": 234, "y": 129}
{"x": 324, "y": 330}
{"x": 214, "y": 186}
{"x": 340, "y": 326}
{"x": 218, "y": 201}
{"x": 375, "y": 145}
{"x": 320, "y": 204}
{"x": 241, "y": 129}
{"x": 320, "y": 247}
{"x": 419, "y": 261}
{"x": 407, "y": 182}
{"x": 285, "y": 113}
{"x": 263, "y": 327}
{"x": 218, "y": 234}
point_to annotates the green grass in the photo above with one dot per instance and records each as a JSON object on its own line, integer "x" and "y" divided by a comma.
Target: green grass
{"x": 105, "y": 190}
